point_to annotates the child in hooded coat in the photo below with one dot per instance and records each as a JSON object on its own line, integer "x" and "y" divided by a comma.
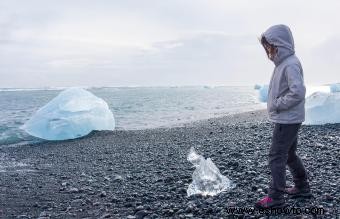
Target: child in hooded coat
{"x": 286, "y": 109}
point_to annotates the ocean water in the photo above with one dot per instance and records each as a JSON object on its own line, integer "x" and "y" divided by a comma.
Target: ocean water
{"x": 133, "y": 107}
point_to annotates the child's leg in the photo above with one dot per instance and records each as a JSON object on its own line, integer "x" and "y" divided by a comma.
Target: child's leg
{"x": 284, "y": 136}
{"x": 296, "y": 168}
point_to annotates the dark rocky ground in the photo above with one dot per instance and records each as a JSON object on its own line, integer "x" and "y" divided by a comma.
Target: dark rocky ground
{"x": 136, "y": 174}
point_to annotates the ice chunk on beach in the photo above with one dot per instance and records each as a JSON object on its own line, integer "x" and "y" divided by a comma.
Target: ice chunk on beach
{"x": 335, "y": 88}
{"x": 74, "y": 113}
{"x": 206, "y": 179}
{"x": 263, "y": 93}
{"x": 322, "y": 108}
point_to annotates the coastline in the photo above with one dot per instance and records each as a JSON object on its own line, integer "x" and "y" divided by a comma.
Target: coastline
{"x": 144, "y": 173}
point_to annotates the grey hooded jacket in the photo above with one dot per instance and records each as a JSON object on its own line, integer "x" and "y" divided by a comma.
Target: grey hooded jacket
{"x": 286, "y": 93}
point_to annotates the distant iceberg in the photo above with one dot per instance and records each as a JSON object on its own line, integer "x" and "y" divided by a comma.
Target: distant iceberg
{"x": 263, "y": 93}
{"x": 322, "y": 108}
{"x": 206, "y": 179}
{"x": 335, "y": 88}
{"x": 257, "y": 87}
{"x": 74, "y": 113}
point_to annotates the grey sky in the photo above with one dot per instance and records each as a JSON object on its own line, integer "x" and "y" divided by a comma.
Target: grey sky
{"x": 149, "y": 42}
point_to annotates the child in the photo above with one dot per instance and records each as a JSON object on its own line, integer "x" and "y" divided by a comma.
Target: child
{"x": 286, "y": 109}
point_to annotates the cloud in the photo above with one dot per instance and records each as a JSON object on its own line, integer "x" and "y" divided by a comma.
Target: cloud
{"x": 204, "y": 58}
{"x": 125, "y": 42}
{"x": 322, "y": 62}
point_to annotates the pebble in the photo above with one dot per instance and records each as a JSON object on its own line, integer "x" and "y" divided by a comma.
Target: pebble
{"x": 77, "y": 202}
{"x": 102, "y": 194}
{"x": 24, "y": 216}
{"x": 117, "y": 178}
{"x": 44, "y": 215}
{"x": 114, "y": 199}
{"x": 128, "y": 204}
{"x": 73, "y": 190}
{"x": 139, "y": 207}
{"x": 328, "y": 197}
{"x": 141, "y": 214}
{"x": 106, "y": 215}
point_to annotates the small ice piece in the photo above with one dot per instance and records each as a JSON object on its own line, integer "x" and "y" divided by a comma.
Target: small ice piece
{"x": 335, "y": 88}
{"x": 74, "y": 113}
{"x": 206, "y": 179}
{"x": 257, "y": 87}
{"x": 322, "y": 108}
{"x": 263, "y": 93}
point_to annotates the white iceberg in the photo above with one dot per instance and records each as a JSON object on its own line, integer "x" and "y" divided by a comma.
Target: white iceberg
{"x": 312, "y": 89}
{"x": 74, "y": 113}
{"x": 263, "y": 93}
{"x": 206, "y": 179}
{"x": 322, "y": 108}
{"x": 335, "y": 88}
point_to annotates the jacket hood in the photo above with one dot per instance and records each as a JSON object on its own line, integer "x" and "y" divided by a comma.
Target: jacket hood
{"x": 281, "y": 37}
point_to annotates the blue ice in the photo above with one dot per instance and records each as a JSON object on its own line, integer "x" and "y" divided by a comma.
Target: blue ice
{"x": 74, "y": 113}
{"x": 322, "y": 108}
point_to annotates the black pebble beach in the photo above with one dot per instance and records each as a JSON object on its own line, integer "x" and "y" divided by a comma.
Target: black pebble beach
{"x": 145, "y": 173}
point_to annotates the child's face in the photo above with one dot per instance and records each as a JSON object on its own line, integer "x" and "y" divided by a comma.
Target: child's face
{"x": 271, "y": 51}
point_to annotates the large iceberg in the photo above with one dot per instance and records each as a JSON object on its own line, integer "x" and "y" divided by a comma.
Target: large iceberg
{"x": 335, "y": 88}
{"x": 311, "y": 89}
{"x": 206, "y": 179}
{"x": 322, "y": 108}
{"x": 322, "y": 103}
{"x": 263, "y": 91}
{"x": 74, "y": 113}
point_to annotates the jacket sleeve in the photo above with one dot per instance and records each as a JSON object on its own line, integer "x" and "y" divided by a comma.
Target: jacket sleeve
{"x": 297, "y": 89}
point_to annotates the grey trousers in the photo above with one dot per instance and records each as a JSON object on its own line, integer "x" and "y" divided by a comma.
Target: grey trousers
{"x": 282, "y": 153}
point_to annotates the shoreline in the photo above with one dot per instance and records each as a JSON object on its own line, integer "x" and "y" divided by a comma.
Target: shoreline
{"x": 144, "y": 173}
{"x": 36, "y": 140}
